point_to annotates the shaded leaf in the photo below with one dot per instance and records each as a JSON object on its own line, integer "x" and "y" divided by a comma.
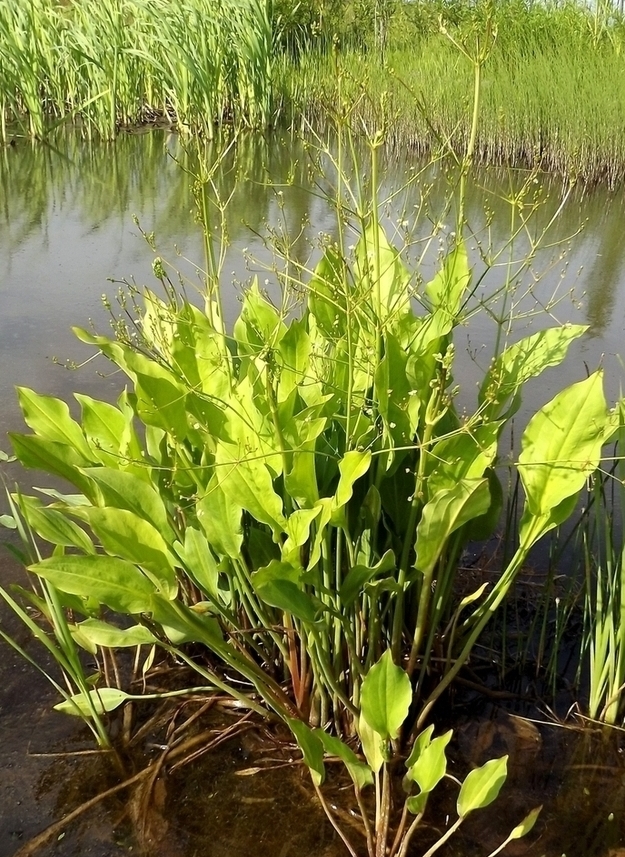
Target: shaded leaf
{"x": 311, "y": 747}
{"x": 359, "y": 772}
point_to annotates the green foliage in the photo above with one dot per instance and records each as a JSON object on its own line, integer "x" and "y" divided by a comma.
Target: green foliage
{"x": 120, "y": 62}
{"x": 256, "y": 473}
{"x": 551, "y": 97}
{"x": 603, "y": 645}
{"x": 292, "y": 496}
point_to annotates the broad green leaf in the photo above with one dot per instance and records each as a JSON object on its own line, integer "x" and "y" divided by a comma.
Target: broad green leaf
{"x": 533, "y": 527}
{"x": 184, "y": 624}
{"x": 248, "y": 481}
{"x": 278, "y": 585}
{"x": 386, "y": 696}
{"x": 359, "y": 772}
{"x": 220, "y": 515}
{"x": 259, "y": 323}
{"x": 298, "y": 531}
{"x": 124, "y": 534}
{"x": 160, "y": 397}
{"x": 463, "y": 456}
{"x": 561, "y": 445}
{"x": 53, "y": 526}
{"x": 199, "y": 561}
{"x": 311, "y": 747}
{"x": 431, "y": 765}
{"x": 524, "y": 360}
{"x": 443, "y": 514}
{"x": 102, "y": 699}
{"x": 395, "y": 403}
{"x": 212, "y": 358}
{"x": 127, "y": 491}
{"x": 448, "y": 287}
{"x": 325, "y": 504}
{"x": 352, "y": 466}
{"x": 423, "y": 740}
{"x": 109, "y": 431}
{"x": 373, "y": 744}
{"x": 50, "y": 419}
{"x": 326, "y": 295}
{"x": 111, "y": 581}
{"x": 58, "y": 459}
{"x": 416, "y": 804}
{"x": 482, "y": 786}
{"x": 379, "y": 265}
{"x": 359, "y": 575}
{"x": 526, "y": 825}
{"x": 301, "y": 480}
{"x": 294, "y": 349}
{"x": 103, "y": 634}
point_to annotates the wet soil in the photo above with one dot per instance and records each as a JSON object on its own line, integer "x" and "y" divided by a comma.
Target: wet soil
{"x": 250, "y": 794}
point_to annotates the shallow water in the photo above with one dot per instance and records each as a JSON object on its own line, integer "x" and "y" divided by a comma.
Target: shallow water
{"x": 65, "y": 227}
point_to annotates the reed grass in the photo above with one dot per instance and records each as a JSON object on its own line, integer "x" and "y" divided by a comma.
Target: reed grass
{"x": 120, "y": 62}
{"x": 553, "y": 93}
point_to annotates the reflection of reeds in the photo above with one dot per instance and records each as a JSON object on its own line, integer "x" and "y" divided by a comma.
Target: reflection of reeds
{"x": 116, "y": 62}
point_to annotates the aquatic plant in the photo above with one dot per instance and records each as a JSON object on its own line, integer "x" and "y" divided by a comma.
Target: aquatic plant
{"x": 552, "y": 89}
{"x": 282, "y": 505}
{"x": 121, "y": 62}
{"x": 603, "y": 643}
{"x": 293, "y": 495}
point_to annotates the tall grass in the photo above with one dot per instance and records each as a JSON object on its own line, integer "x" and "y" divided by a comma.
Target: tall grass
{"x": 116, "y": 62}
{"x": 553, "y": 93}
{"x": 553, "y": 89}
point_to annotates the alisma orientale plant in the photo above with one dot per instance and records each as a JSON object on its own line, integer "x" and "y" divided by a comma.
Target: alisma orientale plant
{"x": 293, "y": 495}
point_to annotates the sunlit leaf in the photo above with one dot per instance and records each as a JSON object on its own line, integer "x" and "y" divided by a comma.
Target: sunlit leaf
{"x": 524, "y": 360}
{"x": 446, "y": 512}
{"x": 386, "y": 696}
{"x": 561, "y": 445}
{"x": 111, "y": 581}
{"x": 373, "y": 744}
{"x": 430, "y": 766}
{"x": 482, "y": 785}
{"x": 110, "y": 636}
{"x": 102, "y": 699}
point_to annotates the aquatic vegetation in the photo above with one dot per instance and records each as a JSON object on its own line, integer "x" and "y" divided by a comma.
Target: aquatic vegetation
{"x": 282, "y": 505}
{"x": 552, "y": 94}
{"x": 603, "y": 645}
{"x": 291, "y": 496}
{"x": 122, "y": 62}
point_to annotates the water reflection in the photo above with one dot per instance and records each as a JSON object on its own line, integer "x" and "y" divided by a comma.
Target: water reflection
{"x": 66, "y": 226}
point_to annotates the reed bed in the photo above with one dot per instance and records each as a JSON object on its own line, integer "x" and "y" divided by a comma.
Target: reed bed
{"x": 553, "y": 92}
{"x": 122, "y": 62}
